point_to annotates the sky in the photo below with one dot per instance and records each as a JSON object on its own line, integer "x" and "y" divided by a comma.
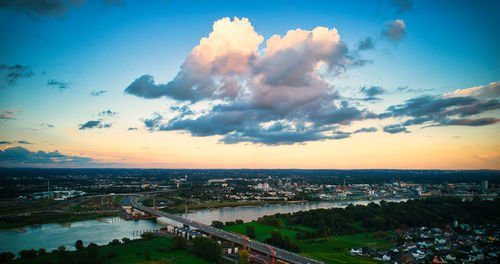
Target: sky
{"x": 388, "y": 84}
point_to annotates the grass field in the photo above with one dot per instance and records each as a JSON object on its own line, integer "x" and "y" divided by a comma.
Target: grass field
{"x": 333, "y": 249}
{"x": 301, "y": 227}
{"x": 118, "y": 199}
{"x": 133, "y": 252}
{"x": 261, "y": 231}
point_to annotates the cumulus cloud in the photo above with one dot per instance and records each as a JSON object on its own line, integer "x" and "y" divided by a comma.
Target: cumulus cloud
{"x": 10, "y": 74}
{"x": 94, "y": 124}
{"x": 8, "y": 114}
{"x": 394, "y": 30}
{"x": 98, "y": 92}
{"x": 491, "y": 90}
{"x": 60, "y": 84}
{"x": 460, "y": 108}
{"x": 275, "y": 95}
{"x": 20, "y": 156}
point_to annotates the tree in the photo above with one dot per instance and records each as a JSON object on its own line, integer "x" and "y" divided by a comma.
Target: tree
{"x": 114, "y": 242}
{"x": 27, "y": 253}
{"x": 6, "y": 256}
{"x": 207, "y": 249}
{"x": 294, "y": 247}
{"x": 243, "y": 257}
{"x": 286, "y": 242}
{"x": 276, "y": 238}
{"x": 42, "y": 251}
{"x": 180, "y": 243}
{"x": 125, "y": 240}
{"x": 147, "y": 235}
{"x": 79, "y": 245}
{"x": 93, "y": 253}
{"x": 61, "y": 248}
{"x": 250, "y": 231}
{"x": 217, "y": 224}
{"x": 239, "y": 221}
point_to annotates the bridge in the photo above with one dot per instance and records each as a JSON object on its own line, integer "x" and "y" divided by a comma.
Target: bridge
{"x": 215, "y": 232}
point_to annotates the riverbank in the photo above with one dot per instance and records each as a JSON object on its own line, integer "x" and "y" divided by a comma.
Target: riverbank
{"x": 14, "y": 223}
{"x": 179, "y": 209}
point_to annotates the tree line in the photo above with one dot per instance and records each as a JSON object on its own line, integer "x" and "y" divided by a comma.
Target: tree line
{"x": 430, "y": 212}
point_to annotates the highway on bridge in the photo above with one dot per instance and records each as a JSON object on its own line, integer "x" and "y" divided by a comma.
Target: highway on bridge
{"x": 255, "y": 245}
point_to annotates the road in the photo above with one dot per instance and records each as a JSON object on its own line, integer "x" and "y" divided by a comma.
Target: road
{"x": 255, "y": 245}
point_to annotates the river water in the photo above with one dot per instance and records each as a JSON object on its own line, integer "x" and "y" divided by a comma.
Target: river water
{"x": 51, "y": 236}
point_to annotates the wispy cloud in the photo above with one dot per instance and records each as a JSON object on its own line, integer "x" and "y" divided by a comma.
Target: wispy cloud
{"x": 24, "y": 142}
{"x": 98, "y": 93}
{"x": 94, "y": 124}
{"x": 8, "y": 114}
{"x": 60, "y": 84}
{"x": 10, "y": 74}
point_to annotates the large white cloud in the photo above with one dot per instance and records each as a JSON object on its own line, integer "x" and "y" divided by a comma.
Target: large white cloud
{"x": 280, "y": 92}
{"x": 273, "y": 94}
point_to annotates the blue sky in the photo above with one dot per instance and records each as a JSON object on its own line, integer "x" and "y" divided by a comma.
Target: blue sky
{"x": 442, "y": 46}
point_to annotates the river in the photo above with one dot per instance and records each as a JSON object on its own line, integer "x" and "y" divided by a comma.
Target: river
{"x": 51, "y": 236}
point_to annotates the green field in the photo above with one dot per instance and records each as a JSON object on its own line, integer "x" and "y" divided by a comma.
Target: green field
{"x": 333, "y": 249}
{"x": 118, "y": 199}
{"x": 261, "y": 231}
{"x": 132, "y": 252}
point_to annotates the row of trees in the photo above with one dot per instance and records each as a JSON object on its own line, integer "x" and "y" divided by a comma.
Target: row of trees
{"x": 219, "y": 224}
{"x": 430, "y": 212}
{"x": 278, "y": 240}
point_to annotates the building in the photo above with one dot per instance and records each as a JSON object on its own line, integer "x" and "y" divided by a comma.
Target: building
{"x": 484, "y": 186}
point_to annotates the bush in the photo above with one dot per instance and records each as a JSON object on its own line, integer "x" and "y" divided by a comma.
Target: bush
{"x": 180, "y": 243}
{"x": 250, "y": 231}
{"x": 217, "y": 224}
{"x": 114, "y": 242}
{"x": 6, "y": 256}
{"x": 207, "y": 249}
{"x": 147, "y": 235}
{"x": 27, "y": 253}
{"x": 79, "y": 245}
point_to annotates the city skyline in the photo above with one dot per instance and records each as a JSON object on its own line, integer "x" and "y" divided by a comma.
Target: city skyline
{"x": 325, "y": 85}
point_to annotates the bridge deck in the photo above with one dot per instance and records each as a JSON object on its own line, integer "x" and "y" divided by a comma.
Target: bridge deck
{"x": 255, "y": 245}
